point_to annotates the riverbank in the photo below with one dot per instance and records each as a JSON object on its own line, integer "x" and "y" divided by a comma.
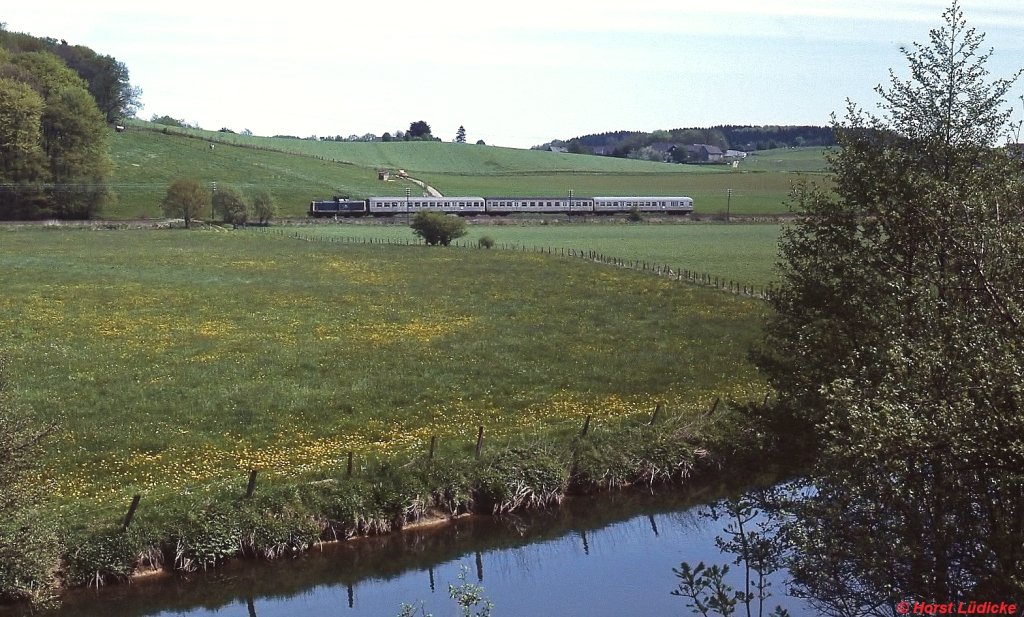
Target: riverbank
{"x": 286, "y": 520}
{"x": 602, "y": 555}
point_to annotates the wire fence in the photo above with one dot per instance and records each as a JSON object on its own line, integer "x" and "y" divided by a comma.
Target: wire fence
{"x": 683, "y": 275}
{"x": 349, "y": 464}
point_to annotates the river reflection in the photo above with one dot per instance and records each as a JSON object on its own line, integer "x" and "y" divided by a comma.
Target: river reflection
{"x": 611, "y": 555}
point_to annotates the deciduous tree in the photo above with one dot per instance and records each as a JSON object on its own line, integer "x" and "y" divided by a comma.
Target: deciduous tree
{"x": 107, "y": 78}
{"x": 75, "y": 142}
{"x": 263, "y": 206}
{"x": 22, "y": 161}
{"x": 186, "y": 198}
{"x": 230, "y": 205}
{"x": 896, "y": 341}
{"x": 419, "y": 130}
{"x": 70, "y": 133}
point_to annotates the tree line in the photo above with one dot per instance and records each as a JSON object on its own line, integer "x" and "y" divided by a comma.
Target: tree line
{"x": 56, "y": 101}
{"x": 188, "y": 199}
{"x": 637, "y": 144}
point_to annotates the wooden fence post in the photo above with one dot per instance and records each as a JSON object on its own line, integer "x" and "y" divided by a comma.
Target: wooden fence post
{"x": 131, "y": 512}
{"x": 654, "y": 416}
{"x": 479, "y": 441}
{"x": 252, "y": 484}
{"x": 433, "y": 442}
{"x": 348, "y": 471}
{"x": 586, "y": 426}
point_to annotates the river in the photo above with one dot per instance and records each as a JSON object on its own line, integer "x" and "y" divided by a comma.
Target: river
{"x": 607, "y": 556}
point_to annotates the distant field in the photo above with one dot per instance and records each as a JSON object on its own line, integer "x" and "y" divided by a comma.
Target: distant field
{"x": 743, "y": 253}
{"x": 177, "y": 360}
{"x": 297, "y": 171}
{"x": 803, "y": 160}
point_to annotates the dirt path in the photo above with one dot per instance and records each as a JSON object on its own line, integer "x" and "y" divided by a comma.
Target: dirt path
{"x": 426, "y": 187}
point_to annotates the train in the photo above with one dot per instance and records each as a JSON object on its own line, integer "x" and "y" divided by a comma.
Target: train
{"x": 468, "y": 206}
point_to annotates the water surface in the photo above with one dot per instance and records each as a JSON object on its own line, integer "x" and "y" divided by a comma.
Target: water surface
{"x": 607, "y": 556}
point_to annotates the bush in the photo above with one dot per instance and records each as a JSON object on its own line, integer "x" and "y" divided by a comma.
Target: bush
{"x": 518, "y": 478}
{"x": 29, "y": 550}
{"x": 437, "y": 228}
{"x": 106, "y": 556}
{"x": 28, "y": 541}
{"x": 485, "y": 242}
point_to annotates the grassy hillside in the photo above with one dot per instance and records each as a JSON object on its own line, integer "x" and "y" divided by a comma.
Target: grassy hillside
{"x": 430, "y": 156}
{"x": 148, "y": 157}
{"x": 146, "y": 162}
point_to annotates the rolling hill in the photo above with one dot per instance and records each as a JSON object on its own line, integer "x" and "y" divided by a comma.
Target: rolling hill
{"x": 148, "y": 157}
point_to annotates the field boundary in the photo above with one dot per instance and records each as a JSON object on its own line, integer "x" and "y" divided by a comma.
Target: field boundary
{"x": 680, "y": 274}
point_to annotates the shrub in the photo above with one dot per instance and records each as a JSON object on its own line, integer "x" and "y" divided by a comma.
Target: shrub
{"x": 203, "y": 538}
{"x": 102, "y": 557}
{"x": 28, "y": 553}
{"x": 485, "y": 242}
{"x": 527, "y": 477}
{"x": 437, "y": 228}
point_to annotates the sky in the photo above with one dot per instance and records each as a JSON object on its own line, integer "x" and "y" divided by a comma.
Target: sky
{"x": 513, "y": 73}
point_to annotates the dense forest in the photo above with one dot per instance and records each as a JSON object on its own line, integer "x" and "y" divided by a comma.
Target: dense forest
{"x": 56, "y": 102}
{"x": 653, "y": 145}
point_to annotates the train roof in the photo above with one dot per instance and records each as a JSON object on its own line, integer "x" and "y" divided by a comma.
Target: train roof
{"x": 621, "y": 197}
{"x": 431, "y": 198}
{"x": 538, "y": 198}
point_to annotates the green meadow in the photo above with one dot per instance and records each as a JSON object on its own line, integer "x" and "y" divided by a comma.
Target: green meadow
{"x": 176, "y": 361}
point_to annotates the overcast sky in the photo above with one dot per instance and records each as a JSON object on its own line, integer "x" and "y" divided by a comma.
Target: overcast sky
{"x": 513, "y": 73}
